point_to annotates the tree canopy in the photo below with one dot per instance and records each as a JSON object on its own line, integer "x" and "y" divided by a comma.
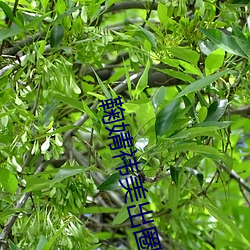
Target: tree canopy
{"x": 181, "y": 68}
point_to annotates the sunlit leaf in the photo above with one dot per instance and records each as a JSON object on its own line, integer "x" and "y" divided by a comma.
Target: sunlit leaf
{"x": 8, "y": 180}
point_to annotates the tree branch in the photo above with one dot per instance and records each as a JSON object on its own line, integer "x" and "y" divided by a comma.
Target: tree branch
{"x": 236, "y": 177}
{"x": 20, "y": 203}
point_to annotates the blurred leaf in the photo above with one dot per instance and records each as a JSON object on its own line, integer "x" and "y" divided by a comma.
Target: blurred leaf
{"x": 214, "y": 61}
{"x": 7, "y": 10}
{"x": 143, "y": 81}
{"x": 158, "y": 97}
{"x": 145, "y": 34}
{"x": 5, "y": 214}
{"x": 66, "y": 172}
{"x": 202, "y": 114}
{"x": 9, "y": 32}
{"x": 223, "y": 41}
{"x": 166, "y": 117}
{"x": 193, "y": 132}
{"x": 173, "y": 196}
{"x": 56, "y": 35}
{"x": 174, "y": 172}
{"x": 49, "y": 110}
{"x": 177, "y": 74}
{"x": 123, "y": 214}
{"x": 104, "y": 89}
{"x": 186, "y": 54}
{"x": 216, "y": 110}
{"x": 99, "y": 210}
{"x": 198, "y": 175}
{"x": 49, "y": 244}
{"x": 162, "y": 12}
{"x": 112, "y": 182}
{"x": 229, "y": 224}
{"x": 34, "y": 183}
{"x": 219, "y": 125}
{"x": 8, "y": 180}
{"x": 197, "y": 85}
{"x": 70, "y": 101}
{"x": 13, "y": 246}
{"x": 245, "y": 2}
{"x": 41, "y": 243}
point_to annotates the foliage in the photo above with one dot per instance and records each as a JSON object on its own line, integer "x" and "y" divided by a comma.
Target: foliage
{"x": 182, "y": 68}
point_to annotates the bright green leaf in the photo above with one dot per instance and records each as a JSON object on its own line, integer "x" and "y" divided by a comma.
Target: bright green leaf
{"x": 214, "y": 61}
{"x": 8, "y": 180}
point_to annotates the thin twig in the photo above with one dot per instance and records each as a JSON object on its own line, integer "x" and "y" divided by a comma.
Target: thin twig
{"x": 148, "y": 14}
{"x": 9, "y": 24}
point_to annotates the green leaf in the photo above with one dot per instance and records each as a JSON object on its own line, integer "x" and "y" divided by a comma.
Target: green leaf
{"x": 147, "y": 35}
{"x": 198, "y": 175}
{"x": 162, "y": 12}
{"x": 227, "y": 223}
{"x": 123, "y": 213}
{"x": 99, "y": 210}
{"x": 158, "y": 97}
{"x": 177, "y": 74}
{"x": 35, "y": 183}
{"x": 112, "y": 182}
{"x": 70, "y": 101}
{"x": 197, "y": 85}
{"x": 104, "y": 89}
{"x": 223, "y": 41}
{"x": 193, "y": 132}
{"x": 8, "y": 180}
{"x": 49, "y": 244}
{"x": 143, "y": 81}
{"x": 66, "y": 172}
{"x": 216, "y": 110}
{"x": 9, "y": 211}
{"x": 9, "y": 32}
{"x": 41, "y": 243}
{"x": 219, "y": 125}
{"x": 13, "y": 246}
{"x": 7, "y": 10}
{"x": 173, "y": 196}
{"x": 56, "y": 35}
{"x": 49, "y": 110}
{"x": 174, "y": 172}
{"x": 44, "y": 3}
{"x": 214, "y": 61}
{"x": 186, "y": 54}
{"x": 202, "y": 114}
{"x": 166, "y": 117}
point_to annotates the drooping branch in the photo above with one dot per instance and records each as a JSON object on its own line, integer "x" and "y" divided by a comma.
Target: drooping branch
{"x": 17, "y": 46}
{"x": 235, "y": 176}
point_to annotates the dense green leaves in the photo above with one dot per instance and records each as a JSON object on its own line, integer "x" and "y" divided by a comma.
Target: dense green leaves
{"x": 181, "y": 68}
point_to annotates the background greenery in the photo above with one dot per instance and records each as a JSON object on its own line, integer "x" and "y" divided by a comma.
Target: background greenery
{"x": 182, "y": 68}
